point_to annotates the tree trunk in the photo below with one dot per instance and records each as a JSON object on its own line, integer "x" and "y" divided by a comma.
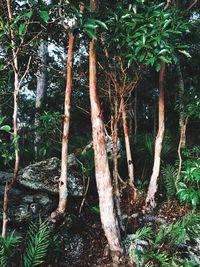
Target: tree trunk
{"x": 15, "y": 125}
{"x": 135, "y": 116}
{"x": 102, "y": 172}
{"x": 150, "y": 199}
{"x": 115, "y": 162}
{"x": 64, "y": 156}
{"x": 127, "y": 143}
{"x": 182, "y": 116}
{"x": 40, "y": 92}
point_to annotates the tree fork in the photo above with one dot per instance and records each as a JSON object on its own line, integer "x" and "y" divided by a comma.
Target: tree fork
{"x": 102, "y": 172}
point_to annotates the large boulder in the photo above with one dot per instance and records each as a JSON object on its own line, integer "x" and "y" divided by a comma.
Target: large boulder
{"x": 44, "y": 176}
{"x": 26, "y": 205}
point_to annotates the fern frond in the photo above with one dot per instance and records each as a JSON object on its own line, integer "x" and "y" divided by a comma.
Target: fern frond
{"x": 37, "y": 244}
{"x": 144, "y": 233}
{"x": 8, "y": 248}
{"x": 170, "y": 175}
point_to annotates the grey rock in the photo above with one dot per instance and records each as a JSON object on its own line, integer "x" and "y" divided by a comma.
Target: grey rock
{"x": 138, "y": 245}
{"x": 26, "y": 206}
{"x": 44, "y": 176}
{"x": 109, "y": 147}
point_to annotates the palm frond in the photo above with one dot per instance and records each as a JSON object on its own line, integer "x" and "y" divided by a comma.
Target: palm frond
{"x": 37, "y": 244}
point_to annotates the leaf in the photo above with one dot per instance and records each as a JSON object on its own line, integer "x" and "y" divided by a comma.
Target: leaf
{"x": 158, "y": 66}
{"x": 95, "y": 210}
{"x": 22, "y": 28}
{"x": 5, "y": 128}
{"x": 131, "y": 60}
{"x": 187, "y": 54}
{"x": 166, "y": 60}
{"x": 91, "y": 34}
{"x": 101, "y": 23}
{"x": 44, "y": 16}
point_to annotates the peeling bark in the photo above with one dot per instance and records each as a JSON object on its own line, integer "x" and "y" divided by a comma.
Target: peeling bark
{"x": 150, "y": 199}
{"x": 64, "y": 154}
{"x": 102, "y": 172}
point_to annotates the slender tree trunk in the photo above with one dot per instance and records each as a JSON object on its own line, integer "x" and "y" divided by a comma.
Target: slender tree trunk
{"x": 182, "y": 116}
{"x": 150, "y": 199}
{"x": 40, "y": 92}
{"x": 135, "y": 116}
{"x": 115, "y": 162}
{"x": 102, "y": 172}
{"x": 15, "y": 125}
{"x": 64, "y": 156}
{"x": 127, "y": 143}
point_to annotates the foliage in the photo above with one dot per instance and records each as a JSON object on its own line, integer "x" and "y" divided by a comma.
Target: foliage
{"x": 37, "y": 244}
{"x": 8, "y": 248}
{"x": 162, "y": 246}
{"x": 188, "y": 184}
{"x": 144, "y": 152}
{"x": 170, "y": 175}
{"x": 147, "y": 32}
{"x": 50, "y": 132}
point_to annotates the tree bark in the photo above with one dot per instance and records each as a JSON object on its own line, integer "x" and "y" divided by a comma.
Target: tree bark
{"x": 182, "y": 116}
{"x": 115, "y": 162}
{"x": 150, "y": 199}
{"x": 15, "y": 124}
{"x": 127, "y": 143}
{"x": 40, "y": 92}
{"x": 102, "y": 172}
{"x": 64, "y": 156}
{"x": 135, "y": 116}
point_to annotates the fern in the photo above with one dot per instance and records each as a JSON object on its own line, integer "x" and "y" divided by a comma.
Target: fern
{"x": 37, "y": 245}
{"x": 144, "y": 233}
{"x": 8, "y": 248}
{"x": 170, "y": 175}
{"x": 184, "y": 229}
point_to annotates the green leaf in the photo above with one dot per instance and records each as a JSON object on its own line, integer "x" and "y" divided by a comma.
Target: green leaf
{"x": 95, "y": 210}
{"x": 166, "y": 60}
{"x": 91, "y": 34}
{"x": 158, "y": 66}
{"x": 22, "y": 28}
{"x": 44, "y": 16}
{"x": 5, "y": 128}
{"x": 101, "y": 23}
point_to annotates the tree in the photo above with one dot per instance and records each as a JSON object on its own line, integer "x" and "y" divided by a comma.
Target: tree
{"x": 150, "y": 199}
{"x": 40, "y": 92}
{"x": 102, "y": 172}
{"x": 17, "y": 85}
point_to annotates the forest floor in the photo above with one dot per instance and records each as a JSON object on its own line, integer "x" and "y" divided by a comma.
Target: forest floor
{"x": 95, "y": 252}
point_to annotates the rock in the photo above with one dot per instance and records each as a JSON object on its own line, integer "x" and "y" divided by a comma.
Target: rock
{"x": 5, "y": 177}
{"x": 109, "y": 147}
{"x": 25, "y": 206}
{"x": 44, "y": 176}
{"x": 138, "y": 245}
{"x": 190, "y": 250}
